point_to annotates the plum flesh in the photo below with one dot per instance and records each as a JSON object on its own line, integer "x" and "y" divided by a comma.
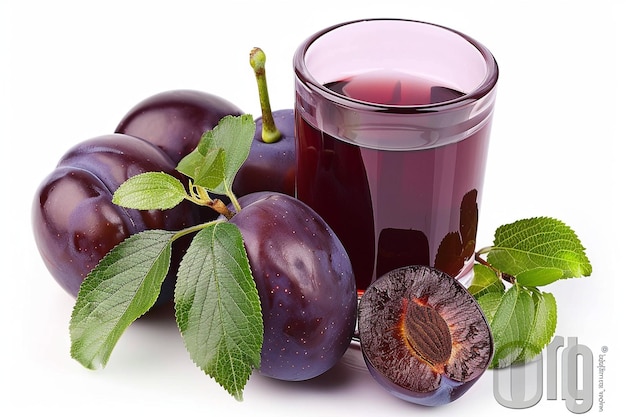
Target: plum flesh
{"x": 423, "y": 336}
{"x": 305, "y": 282}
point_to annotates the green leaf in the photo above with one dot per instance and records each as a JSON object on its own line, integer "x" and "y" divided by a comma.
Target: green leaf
{"x": 206, "y": 170}
{"x": 511, "y": 324}
{"x": 489, "y": 303}
{"x": 150, "y": 191}
{"x": 542, "y": 328}
{"x": 218, "y": 310}
{"x": 233, "y": 135}
{"x": 522, "y": 321}
{"x": 485, "y": 280}
{"x": 539, "y": 276}
{"x": 540, "y": 242}
{"x": 120, "y": 289}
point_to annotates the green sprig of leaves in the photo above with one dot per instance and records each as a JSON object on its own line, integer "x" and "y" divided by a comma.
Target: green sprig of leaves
{"x": 217, "y": 306}
{"x": 528, "y": 254}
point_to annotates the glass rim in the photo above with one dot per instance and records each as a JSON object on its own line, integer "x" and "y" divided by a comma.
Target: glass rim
{"x": 487, "y": 85}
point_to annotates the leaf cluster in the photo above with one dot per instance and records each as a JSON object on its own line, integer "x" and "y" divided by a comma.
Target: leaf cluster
{"x": 527, "y": 254}
{"x": 217, "y": 306}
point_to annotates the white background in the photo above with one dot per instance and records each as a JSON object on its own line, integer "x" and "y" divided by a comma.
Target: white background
{"x": 69, "y": 70}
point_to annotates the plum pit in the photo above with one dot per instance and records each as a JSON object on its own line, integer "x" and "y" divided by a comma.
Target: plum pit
{"x": 426, "y": 333}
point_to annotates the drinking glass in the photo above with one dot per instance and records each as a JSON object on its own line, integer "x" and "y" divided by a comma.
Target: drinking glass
{"x": 392, "y": 124}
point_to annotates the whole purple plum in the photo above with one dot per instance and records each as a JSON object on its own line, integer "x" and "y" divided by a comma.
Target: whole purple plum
{"x": 305, "y": 282}
{"x": 74, "y": 220}
{"x": 175, "y": 120}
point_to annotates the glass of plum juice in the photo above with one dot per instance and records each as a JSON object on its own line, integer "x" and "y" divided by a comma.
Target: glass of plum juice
{"x": 393, "y": 118}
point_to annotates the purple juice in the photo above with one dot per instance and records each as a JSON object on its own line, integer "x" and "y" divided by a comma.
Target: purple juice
{"x": 392, "y": 205}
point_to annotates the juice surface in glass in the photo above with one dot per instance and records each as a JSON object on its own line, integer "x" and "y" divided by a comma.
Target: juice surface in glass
{"x": 394, "y": 162}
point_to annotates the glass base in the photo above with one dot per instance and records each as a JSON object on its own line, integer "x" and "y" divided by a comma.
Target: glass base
{"x": 467, "y": 274}
{"x": 353, "y": 358}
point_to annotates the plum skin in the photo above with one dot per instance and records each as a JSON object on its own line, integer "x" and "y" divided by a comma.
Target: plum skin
{"x": 305, "y": 282}
{"x": 449, "y": 390}
{"x": 74, "y": 220}
{"x": 270, "y": 166}
{"x": 175, "y": 120}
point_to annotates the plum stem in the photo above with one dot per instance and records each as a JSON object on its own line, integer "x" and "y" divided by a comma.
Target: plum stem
{"x": 502, "y": 275}
{"x": 219, "y": 206}
{"x": 199, "y": 195}
{"x": 269, "y": 131}
{"x": 196, "y": 228}
{"x": 484, "y": 251}
{"x": 234, "y": 201}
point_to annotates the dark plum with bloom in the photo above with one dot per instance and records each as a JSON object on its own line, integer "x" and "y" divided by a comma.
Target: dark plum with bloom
{"x": 305, "y": 282}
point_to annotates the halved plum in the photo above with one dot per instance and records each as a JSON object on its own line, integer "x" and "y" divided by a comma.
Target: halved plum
{"x": 423, "y": 336}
